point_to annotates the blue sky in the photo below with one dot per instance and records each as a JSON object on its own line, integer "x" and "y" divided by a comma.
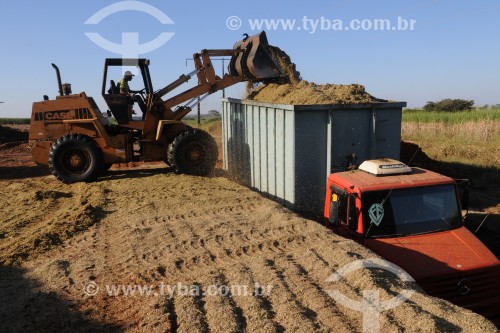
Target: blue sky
{"x": 453, "y": 52}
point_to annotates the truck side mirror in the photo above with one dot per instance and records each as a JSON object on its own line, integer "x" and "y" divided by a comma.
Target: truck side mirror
{"x": 464, "y": 186}
{"x": 353, "y": 213}
{"x": 333, "y": 217}
{"x": 465, "y": 199}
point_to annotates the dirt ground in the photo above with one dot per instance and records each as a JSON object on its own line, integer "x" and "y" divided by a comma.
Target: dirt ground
{"x": 68, "y": 253}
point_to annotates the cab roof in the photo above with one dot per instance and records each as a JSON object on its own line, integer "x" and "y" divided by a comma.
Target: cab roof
{"x": 365, "y": 181}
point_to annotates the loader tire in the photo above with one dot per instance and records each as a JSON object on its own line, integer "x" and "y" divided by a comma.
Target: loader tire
{"x": 75, "y": 158}
{"x": 193, "y": 152}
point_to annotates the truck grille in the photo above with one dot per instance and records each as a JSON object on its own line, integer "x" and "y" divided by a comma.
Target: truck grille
{"x": 477, "y": 290}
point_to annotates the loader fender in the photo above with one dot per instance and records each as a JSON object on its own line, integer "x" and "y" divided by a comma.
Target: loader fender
{"x": 40, "y": 152}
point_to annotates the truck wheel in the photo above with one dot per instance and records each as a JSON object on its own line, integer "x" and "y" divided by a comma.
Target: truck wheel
{"x": 75, "y": 158}
{"x": 193, "y": 152}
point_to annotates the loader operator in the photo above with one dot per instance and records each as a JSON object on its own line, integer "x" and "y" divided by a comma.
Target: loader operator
{"x": 125, "y": 90}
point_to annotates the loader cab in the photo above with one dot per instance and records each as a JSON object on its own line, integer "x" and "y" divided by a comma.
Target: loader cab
{"x": 119, "y": 104}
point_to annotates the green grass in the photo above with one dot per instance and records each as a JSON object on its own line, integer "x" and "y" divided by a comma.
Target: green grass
{"x": 462, "y": 140}
{"x": 421, "y": 116}
{"x": 14, "y": 121}
{"x": 210, "y": 124}
{"x": 463, "y": 145}
{"x": 193, "y": 120}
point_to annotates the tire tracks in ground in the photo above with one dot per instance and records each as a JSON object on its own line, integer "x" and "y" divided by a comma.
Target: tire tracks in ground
{"x": 205, "y": 232}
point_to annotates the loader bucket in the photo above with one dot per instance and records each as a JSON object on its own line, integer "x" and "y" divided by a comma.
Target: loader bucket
{"x": 256, "y": 62}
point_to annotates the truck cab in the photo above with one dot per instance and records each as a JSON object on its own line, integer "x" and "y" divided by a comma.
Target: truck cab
{"x": 413, "y": 218}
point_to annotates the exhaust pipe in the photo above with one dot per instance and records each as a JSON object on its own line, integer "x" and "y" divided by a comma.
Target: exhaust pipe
{"x": 59, "y": 83}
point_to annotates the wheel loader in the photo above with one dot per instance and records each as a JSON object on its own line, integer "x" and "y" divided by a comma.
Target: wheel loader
{"x": 78, "y": 143}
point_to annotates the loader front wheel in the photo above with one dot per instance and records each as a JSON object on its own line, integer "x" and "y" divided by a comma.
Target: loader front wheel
{"x": 75, "y": 158}
{"x": 193, "y": 152}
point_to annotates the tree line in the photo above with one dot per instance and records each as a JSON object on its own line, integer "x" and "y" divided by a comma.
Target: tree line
{"x": 450, "y": 105}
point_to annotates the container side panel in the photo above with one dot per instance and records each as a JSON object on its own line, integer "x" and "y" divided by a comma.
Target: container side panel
{"x": 264, "y": 156}
{"x": 236, "y": 135}
{"x": 367, "y": 132}
{"x": 225, "y": 126}
{"x": 246, "y": 148}
{"x": 328, "y": 146}
{"x": 249, "y": 129}
{"x": 236, "y": 149}
{"x": 256, "y": 147}
{"x": 388, "y": 133}
{"x": 228, "y": 115}
{"x": 231, "y": 139}
{"x": 350, "y": 135}
{"x": 249, "y": 143}
{"x": 242, "y": 156}
{"x": 271, "y": 150}
{"x": 280, "y": 153}
{"x": 289, "y": 149}
{"x": 310, "y": 161}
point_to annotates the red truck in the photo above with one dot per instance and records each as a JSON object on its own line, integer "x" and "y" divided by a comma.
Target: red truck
{"x": 413, "y": 218}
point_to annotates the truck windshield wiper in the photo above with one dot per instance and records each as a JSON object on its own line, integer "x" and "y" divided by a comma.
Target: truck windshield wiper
{"x": 386, "y": 236}
{"x": 427, "y": 232}
{"x": 404, "y": 235}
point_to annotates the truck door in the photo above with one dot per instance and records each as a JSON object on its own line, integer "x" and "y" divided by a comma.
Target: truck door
{"x": 343, "y": 212}
{"x": 338, "y": 206}
{"x": 338, "y": 209}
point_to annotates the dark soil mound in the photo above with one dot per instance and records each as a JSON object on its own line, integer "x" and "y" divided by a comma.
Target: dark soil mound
{"x": 9, "y": 134}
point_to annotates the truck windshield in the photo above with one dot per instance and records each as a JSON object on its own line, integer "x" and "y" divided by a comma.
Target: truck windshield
{"x": 410, "y": 211}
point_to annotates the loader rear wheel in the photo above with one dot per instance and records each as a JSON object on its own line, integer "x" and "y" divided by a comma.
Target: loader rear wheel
{"x": 193, "y": 152}
{"x": 75, "y": 158}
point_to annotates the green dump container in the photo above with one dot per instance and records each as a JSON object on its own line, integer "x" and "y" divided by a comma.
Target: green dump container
{"x": 287, "y": 151}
